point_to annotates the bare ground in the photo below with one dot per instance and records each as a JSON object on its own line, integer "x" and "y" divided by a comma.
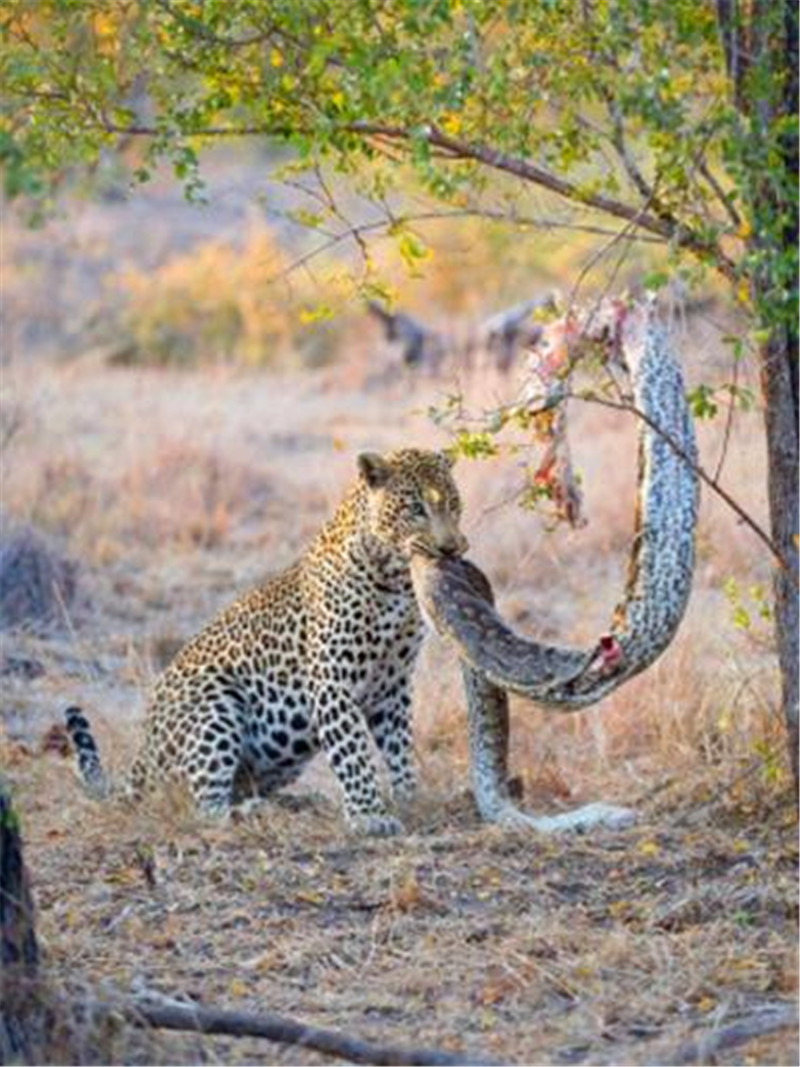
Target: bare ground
{"x": 612, "y": 948}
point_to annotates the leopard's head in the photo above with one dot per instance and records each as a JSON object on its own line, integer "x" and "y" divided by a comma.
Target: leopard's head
{"x": 412, "y": 503}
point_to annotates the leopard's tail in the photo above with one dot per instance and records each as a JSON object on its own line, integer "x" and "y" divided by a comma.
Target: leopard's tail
{"x": 87, "y": 756}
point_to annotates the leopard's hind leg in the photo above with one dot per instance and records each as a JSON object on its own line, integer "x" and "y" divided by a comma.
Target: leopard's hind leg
{"x": 206, "y": 746}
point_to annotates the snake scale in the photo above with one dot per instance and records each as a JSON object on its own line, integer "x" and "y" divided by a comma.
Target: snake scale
{"x": 457, "y": 597}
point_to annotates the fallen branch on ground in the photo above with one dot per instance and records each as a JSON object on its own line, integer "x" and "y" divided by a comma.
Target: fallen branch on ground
{"x": 759, "y": 1024}
{"x": 167, "y": 1014}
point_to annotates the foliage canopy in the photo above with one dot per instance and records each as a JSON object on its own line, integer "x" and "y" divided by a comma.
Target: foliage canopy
{"x": 629, "y": 107}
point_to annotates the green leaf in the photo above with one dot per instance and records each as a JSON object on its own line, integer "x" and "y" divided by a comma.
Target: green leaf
{"x": 475, "y": 445}
{"x": 412, "y": 250}
{"x": 656, "y": 279}
{"x": 702, "y": 403}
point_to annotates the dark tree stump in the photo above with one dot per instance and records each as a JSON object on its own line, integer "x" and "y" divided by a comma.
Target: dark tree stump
{"x": 19, "y": 953}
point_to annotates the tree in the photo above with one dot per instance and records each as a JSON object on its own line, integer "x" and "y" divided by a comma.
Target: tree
{"x": 677, "y": 118}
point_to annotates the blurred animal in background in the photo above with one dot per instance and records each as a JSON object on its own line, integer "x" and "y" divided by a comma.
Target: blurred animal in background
{"x": 419, "y": 346}
{"x": 496, "y": 342}
{"x": 507, "y": 332}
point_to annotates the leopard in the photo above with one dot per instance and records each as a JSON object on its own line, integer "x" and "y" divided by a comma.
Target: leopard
{"x": 319, "y": 657}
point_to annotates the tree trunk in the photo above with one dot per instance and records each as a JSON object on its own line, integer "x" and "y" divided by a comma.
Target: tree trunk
{"x": 782, "y": 449}
{"x": 767, "y": 99}
{"x": 779, "y": 367}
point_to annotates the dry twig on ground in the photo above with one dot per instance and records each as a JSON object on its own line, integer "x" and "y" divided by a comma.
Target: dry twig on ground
{"x": 168, "y": 1014}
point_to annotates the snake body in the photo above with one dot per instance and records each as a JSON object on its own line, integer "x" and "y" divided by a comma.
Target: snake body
{"x": 457, "y": 597}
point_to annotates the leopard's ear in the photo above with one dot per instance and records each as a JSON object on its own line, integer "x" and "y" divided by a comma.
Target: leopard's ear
{"x": 449, "y": 457}
{"x": 375, "y": 470}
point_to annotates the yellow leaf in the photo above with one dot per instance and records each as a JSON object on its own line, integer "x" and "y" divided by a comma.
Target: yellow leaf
{"x": 310, "y": 896}
{"x": 452, "y": 124}
{"x": 412, "y": 249}
{"x": 276, "y": 58}
{"x": 263, "y": 963}
{"x": 124, "y": 876}
{"x": 746, "y": 963}
{"x": 649, "y": 848}
{"x": 316, "y": 314}
{"x": 408, "y": 893}
{"x": 619, "y": 908}
{"x": 104, "y": 26}
{"x": 238, "y": 988}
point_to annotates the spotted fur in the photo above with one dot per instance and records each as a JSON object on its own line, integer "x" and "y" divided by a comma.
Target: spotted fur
{"x": 319, "y": 657}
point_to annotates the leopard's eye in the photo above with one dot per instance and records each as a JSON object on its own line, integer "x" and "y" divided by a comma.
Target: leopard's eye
{"x": 418, "y": 510}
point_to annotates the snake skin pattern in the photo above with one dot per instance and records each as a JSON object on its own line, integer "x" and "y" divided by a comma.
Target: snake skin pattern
{"x": 457, "y": 598}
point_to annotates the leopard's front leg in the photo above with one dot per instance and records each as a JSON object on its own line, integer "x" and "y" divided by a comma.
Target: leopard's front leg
{"x": 389, "y": 719}
{"x": 344, "y": 736}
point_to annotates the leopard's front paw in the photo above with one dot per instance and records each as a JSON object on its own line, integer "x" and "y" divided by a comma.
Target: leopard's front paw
{"x": 405, "y": 792}
{"x": 375, "y": 825}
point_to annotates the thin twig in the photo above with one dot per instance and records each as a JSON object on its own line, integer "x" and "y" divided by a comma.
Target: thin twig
{"x": 748, "y": 520}
{"x": 724, "y": 198}
{"x": 646, "y": 191}
{"x": 726, "y": 436}
{"x": 600, "y": 254}
{"x": 357, "y": 231}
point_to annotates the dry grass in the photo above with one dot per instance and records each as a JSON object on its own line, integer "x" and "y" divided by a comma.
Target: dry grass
{"x": 529, "y": 950}
{"x": 177, "y": 490}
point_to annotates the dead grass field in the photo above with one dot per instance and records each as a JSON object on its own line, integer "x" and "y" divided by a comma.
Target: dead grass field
{"x": 175, "y": 490}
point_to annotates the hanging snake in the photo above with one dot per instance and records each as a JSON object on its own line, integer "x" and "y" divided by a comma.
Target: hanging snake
{"x": 457, "y": 597}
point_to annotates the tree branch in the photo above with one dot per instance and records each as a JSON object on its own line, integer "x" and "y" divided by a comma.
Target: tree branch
{"x": 705, "y": 1048}
{"x": 520, "y": 168}
{"x": 200, "y": 29}
{"x": 148, "y": 130}
{"x": 664, "y": 227}
{"x": 165, "y": 1013}
{"x": 737, "y": 56}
